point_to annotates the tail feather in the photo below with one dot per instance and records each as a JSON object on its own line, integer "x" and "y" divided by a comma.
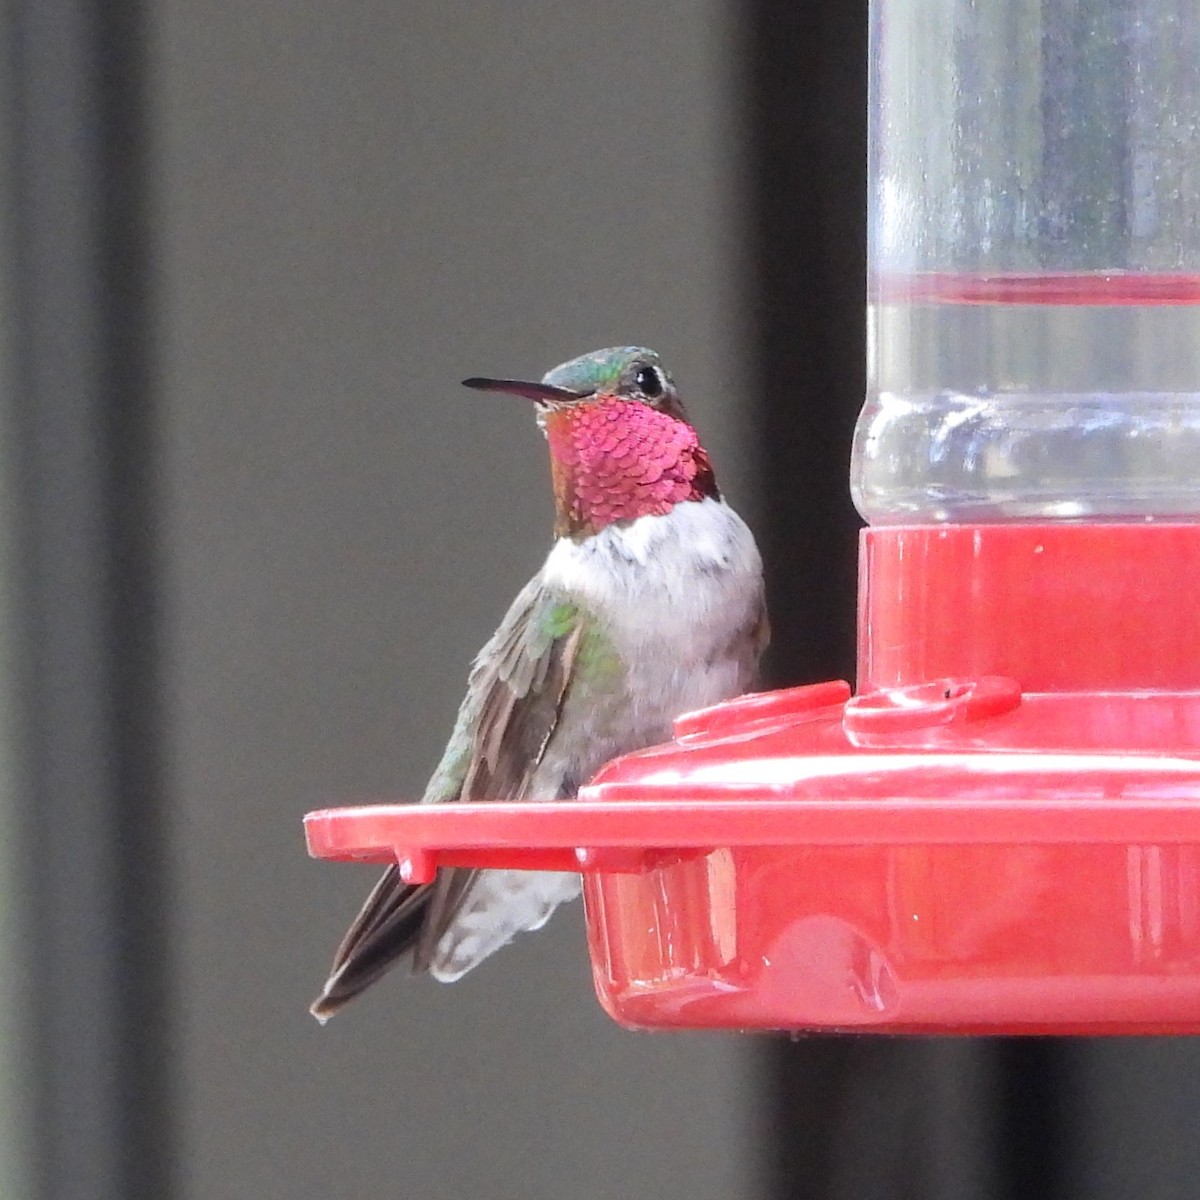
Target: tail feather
{"x": 387, "y": 926}
{"x": 396, "y": 919}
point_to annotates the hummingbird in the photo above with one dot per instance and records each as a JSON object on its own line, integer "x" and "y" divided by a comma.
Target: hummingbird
{"x": 649, "y": 604}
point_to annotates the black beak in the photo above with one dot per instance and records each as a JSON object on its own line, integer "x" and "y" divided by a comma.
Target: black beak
{"x": 543, "y": 393}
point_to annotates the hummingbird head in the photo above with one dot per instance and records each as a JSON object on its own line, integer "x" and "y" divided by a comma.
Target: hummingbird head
{"x": 620, "y": 444}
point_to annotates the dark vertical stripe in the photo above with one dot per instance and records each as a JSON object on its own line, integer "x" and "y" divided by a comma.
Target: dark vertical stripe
{"x": 1033, "y": 1126}
{"x": 87, "y": 621}
{"x": 806, "y": 88}
{"x": 143, "y": 885}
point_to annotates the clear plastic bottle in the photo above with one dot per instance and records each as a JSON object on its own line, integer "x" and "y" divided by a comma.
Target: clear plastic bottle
{"x": 1034, "y": 290}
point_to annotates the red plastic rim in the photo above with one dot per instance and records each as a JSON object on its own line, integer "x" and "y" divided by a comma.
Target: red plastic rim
{"x": 899, "y": 799}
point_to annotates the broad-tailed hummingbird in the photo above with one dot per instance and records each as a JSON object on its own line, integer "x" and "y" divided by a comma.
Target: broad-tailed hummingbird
{"x": 649, "y": 604}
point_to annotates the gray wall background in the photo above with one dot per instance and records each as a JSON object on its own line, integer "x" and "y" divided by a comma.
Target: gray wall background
{"x": 352, "y": 210}
{"x": 356, "y": 206}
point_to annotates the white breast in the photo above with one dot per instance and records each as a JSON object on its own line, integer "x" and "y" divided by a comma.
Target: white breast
{"x": 674, "y": 593}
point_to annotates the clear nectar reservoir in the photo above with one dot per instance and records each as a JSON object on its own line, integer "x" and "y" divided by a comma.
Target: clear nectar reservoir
{"x": 1034, "y": 262}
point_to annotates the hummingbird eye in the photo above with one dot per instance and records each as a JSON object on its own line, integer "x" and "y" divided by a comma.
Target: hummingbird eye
{"x": 649, "y": 382}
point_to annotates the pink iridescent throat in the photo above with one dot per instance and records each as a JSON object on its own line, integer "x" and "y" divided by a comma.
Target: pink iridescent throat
{"x": 616, "y": 460}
